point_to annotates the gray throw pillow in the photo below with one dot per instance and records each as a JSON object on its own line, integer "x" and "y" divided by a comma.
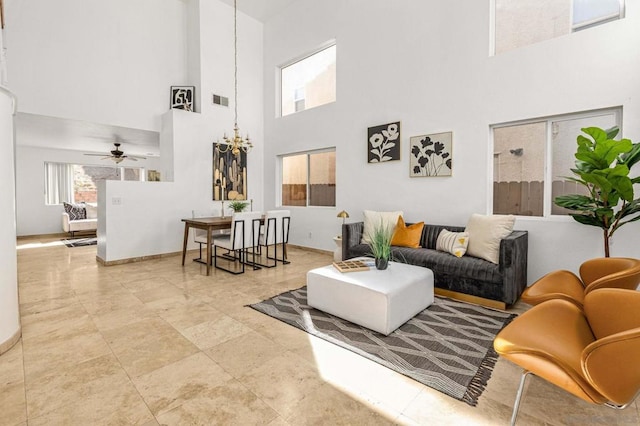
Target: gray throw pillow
{"x": 75, "y": 211}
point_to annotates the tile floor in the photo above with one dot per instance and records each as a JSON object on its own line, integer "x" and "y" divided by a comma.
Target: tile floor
{"x": 156, "y": 343}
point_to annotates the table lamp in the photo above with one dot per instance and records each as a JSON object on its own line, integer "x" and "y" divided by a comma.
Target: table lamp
{"x": 344, "y": 215}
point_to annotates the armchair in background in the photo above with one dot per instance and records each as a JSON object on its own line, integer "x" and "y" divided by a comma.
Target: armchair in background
{"x": 604, "y": 272}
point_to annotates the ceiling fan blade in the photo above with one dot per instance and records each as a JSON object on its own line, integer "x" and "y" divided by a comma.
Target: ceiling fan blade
{"x": 95, "y": 155}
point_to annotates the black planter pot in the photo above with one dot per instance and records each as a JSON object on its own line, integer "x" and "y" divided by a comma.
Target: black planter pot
{"x": 382, "y": 263}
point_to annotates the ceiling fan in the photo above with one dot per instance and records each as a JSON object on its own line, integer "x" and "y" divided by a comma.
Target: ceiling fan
{"x": 117, "y": 155}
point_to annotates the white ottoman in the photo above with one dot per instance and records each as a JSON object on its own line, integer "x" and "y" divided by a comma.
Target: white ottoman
{"x": 379, "y": 300}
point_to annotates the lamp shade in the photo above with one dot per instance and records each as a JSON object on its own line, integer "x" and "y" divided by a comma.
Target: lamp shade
{"x": 343, "y": 214}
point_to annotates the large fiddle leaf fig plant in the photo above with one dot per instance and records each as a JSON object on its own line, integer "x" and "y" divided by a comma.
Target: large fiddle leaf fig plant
{"x": 603, "y": 166}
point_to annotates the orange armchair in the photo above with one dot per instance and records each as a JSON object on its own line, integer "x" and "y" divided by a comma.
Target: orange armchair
{"x": 604, "y": 272}
{"x": 591, "y": 353}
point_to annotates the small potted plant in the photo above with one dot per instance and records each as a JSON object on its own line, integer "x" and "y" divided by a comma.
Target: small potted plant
{"x": 238, "y": 206}
{"x": 380, "y": 245}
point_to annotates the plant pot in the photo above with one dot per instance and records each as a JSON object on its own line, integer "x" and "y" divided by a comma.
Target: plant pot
{"x": 382, "y": 263}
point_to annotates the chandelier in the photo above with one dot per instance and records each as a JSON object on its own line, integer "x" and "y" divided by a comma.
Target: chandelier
{"x": 236, "y": 143}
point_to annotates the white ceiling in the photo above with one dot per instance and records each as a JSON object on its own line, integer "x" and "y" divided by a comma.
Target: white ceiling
{"x": 262, "y": 10}
{"x": 61, "y": 133}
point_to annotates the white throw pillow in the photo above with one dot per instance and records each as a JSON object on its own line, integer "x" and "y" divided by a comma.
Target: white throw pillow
{"x": 92, "y": 211}
{"x": 374, "y": 219}
{"x": 485, "y": 233}
{"x": 453, "y": 242}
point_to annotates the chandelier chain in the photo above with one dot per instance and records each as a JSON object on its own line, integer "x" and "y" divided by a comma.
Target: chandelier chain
{"x": 236, "y": 143}
{"x": 235, "y": 58}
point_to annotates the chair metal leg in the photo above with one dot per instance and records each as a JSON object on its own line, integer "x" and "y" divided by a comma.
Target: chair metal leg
{"x": 516, "y": 404}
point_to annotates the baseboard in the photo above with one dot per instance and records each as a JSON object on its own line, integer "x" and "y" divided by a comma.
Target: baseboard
{"x": 56, "y": 235}
{"x": 4, "y": 347}
{"x": 179, "y": 253}
{"x": 136, "y": 259}
{"x": 311, "y": 249}
{"x": 471, "y": 299}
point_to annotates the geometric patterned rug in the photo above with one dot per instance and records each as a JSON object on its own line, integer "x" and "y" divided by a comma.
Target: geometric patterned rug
{"x": 80, "y": 242}
{"x": 448, "y": 346}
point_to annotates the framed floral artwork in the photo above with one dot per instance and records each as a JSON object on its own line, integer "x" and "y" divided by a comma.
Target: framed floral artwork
{"x": 430, "y": 155}
{"x": 383, "y": 143}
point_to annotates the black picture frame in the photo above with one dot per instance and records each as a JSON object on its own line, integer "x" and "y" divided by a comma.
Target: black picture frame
{"x": 183, "y": 97}
{"x": 383, "y": 143}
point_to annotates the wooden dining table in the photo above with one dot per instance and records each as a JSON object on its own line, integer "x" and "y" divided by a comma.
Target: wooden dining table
{"x": 208, "y": 224}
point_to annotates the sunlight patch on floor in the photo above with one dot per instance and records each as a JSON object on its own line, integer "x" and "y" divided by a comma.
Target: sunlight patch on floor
{"x": 379, "y": 388}
{"x": 31, "y": 245}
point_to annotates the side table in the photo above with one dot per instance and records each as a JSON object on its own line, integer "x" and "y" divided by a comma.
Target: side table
{"x": 337, "y": 252}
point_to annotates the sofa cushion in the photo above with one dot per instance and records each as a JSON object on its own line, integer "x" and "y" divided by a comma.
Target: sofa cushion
{"x": 407, "y": 236}
{"x": 373, "y": 219}
{"x": 485, "y": 234}
{"x": 75, "y": 211}
{"x": 83, "y": 225}
{"x": 430, "y": 234}
{"x": 467, "y": 268}
{"x": 454, "y": 243}
{"x": 444, "y": 263}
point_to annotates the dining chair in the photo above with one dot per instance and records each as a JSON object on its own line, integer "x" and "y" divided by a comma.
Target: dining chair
{"x": 244, "y": 235}
{"x": 200, "y": 235}
{"x": 274, "y": 232}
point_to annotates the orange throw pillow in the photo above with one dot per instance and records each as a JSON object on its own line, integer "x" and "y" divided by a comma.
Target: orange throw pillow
{"x": 407, "y": 236}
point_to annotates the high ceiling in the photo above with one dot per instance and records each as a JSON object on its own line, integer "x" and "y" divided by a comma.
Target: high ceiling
{"x": 262, "y": 10}
{"x": 60, "y": 133}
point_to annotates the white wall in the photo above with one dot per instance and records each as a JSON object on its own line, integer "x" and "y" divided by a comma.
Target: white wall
{"x": 155, "y": 35}
{"x": 101, "y": 62}
{"x": 428, "y": 65}
{"x": 109, "y": 62}
{"x": 148, "y": 220}
{"x": 34, "y": 217}
{"x": 9, "y": 313}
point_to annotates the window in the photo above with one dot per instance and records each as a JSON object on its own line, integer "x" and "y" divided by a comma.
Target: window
{"x": 519, "y": 23}
{"x": 309, "y": 179}
{"x": 309, "y": 82}
{"x": 531, "y": 159}
{"x": 298, "y": 99}
{"x": 589, "y": 13}
{"x": 76, "y": 183}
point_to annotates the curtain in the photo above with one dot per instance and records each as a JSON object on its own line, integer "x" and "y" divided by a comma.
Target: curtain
{"x": 58, "y": 183}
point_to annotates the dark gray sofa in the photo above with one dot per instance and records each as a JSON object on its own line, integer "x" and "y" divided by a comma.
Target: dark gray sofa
{"x": 478, "y": 278}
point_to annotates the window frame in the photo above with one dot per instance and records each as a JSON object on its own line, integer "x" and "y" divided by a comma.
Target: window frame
{"x": 597, "y": 21}
{"x": 280, "y": 170}
{"x": 547, "y": 201}
{"x": 142, "y": 171}
{"x": 572, "y": 28}
{"x": 279, "y": 68}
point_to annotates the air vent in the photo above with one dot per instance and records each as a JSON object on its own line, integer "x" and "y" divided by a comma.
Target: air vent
{"x": 220, "y": 100}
